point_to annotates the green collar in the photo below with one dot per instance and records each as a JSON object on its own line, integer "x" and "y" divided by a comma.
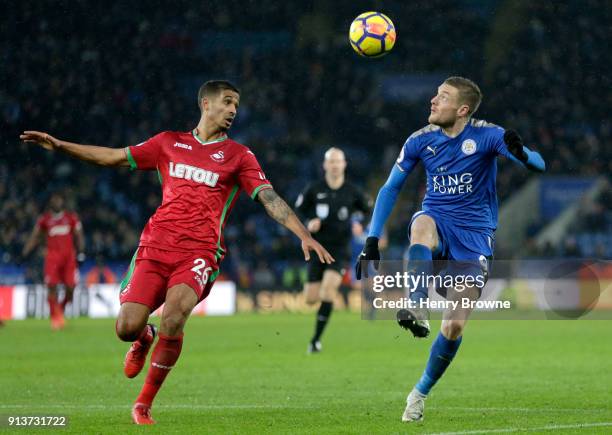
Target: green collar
{"x": 221, "y": 139}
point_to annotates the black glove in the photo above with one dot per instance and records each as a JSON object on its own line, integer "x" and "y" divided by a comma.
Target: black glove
{"x": 514, "y": 142}
{"x": 370, "y": 253}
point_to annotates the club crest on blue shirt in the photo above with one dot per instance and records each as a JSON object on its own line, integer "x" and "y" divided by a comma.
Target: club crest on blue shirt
{"x": 468, "y": 147}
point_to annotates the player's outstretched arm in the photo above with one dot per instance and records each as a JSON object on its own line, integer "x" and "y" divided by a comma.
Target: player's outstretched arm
{"x": 278, "y": 210}
{"x": 530, "y": 159}
{"x": 103, "y": 156}
{"x": 33, "y": 240}
{"x": 387, "y": 195}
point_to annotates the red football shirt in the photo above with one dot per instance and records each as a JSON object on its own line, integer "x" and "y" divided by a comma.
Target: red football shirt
{"x": 59, "y": 229}
{"x": 201, "y": 182}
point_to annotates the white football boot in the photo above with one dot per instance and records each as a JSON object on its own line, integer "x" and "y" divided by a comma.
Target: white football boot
{"x": 315, "y": 347}
{"x": 415, "y": 405}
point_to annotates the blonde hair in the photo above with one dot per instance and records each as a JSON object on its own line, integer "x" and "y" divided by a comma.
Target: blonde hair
{"x": 469, "y": 92}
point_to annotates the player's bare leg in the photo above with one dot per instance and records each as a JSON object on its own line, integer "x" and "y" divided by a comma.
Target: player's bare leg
{"x": 67, "y": 298}
{"x": 442, "y": 353}
{"x": 132, "y": 326}
{"x": 330, "y": 283}
{"x": 180, "y": 301}
{"x": 131, "y": 320}
{"x": 454, "y": 321}
{"x": 312, "y": 292}
{"x": 423, "y": 231}
{"x": 423, "y": 240}
{"x": 312, "y": 295}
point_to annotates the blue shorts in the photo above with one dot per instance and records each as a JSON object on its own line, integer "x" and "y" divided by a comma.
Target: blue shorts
{"x": 467, "y": 251}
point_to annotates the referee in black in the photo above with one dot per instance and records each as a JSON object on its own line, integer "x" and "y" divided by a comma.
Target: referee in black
{"x": 327, "y": 206}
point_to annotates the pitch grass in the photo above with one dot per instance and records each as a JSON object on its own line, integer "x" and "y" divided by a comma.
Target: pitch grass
{"x": 251, "y": 374}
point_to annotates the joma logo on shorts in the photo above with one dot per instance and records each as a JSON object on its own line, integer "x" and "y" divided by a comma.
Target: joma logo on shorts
{"x": 188, "y": 172}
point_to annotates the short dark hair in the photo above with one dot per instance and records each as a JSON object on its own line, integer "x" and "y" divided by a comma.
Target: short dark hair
{"x": 213, "y": 87}
{"x": 469, "y": 92}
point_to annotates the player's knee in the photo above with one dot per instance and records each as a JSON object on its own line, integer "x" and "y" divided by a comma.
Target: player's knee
{"x": 423, "y": 231}
{"x": 311, "y": 294}
{"x": 452, "y": 329}
{"x": 311, "y": 300}
{"x": 128, "y": 329}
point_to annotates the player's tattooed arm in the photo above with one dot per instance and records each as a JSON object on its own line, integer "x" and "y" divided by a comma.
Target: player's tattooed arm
{"x": 278, "y": 210}
{"x": 103, "y": 156}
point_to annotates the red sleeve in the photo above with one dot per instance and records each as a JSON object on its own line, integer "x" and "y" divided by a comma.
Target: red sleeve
{"x": 41, "y": 222}
{"x": 76, "y": 222}
{"x": 251, "y": 177}
{"x": 145, "y": 155}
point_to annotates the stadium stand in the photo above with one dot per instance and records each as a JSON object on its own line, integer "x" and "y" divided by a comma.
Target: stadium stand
{"x": 303, "y": 91}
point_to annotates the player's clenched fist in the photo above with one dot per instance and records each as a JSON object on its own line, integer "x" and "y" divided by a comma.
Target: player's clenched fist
{"x": 43, "y": 139}
{"x": 370, "y": 253}
{"x": 514, "y": 142}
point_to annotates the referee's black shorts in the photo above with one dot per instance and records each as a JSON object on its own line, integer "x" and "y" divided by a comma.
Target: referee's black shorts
{"x": 316, "y": 268}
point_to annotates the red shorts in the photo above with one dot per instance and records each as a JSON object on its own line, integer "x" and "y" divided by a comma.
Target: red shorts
{"x": 61, "y": 270}
{"x": 153, "y": 271}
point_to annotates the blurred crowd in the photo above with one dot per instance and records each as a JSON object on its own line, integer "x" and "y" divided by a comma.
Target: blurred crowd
{"x": 114, "y": 75}
{"x": 554, "y": 86}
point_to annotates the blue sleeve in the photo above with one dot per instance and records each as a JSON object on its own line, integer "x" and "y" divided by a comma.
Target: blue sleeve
{"x": 387, "y": 195}
{"x": 535, "y": 162}
{"x": 409, "y": 155}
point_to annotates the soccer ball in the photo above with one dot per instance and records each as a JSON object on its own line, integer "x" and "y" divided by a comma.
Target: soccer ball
{"x": 372, "y": 34}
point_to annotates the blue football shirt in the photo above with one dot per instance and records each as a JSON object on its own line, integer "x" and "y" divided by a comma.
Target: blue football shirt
{"x": 461, "y": 172}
